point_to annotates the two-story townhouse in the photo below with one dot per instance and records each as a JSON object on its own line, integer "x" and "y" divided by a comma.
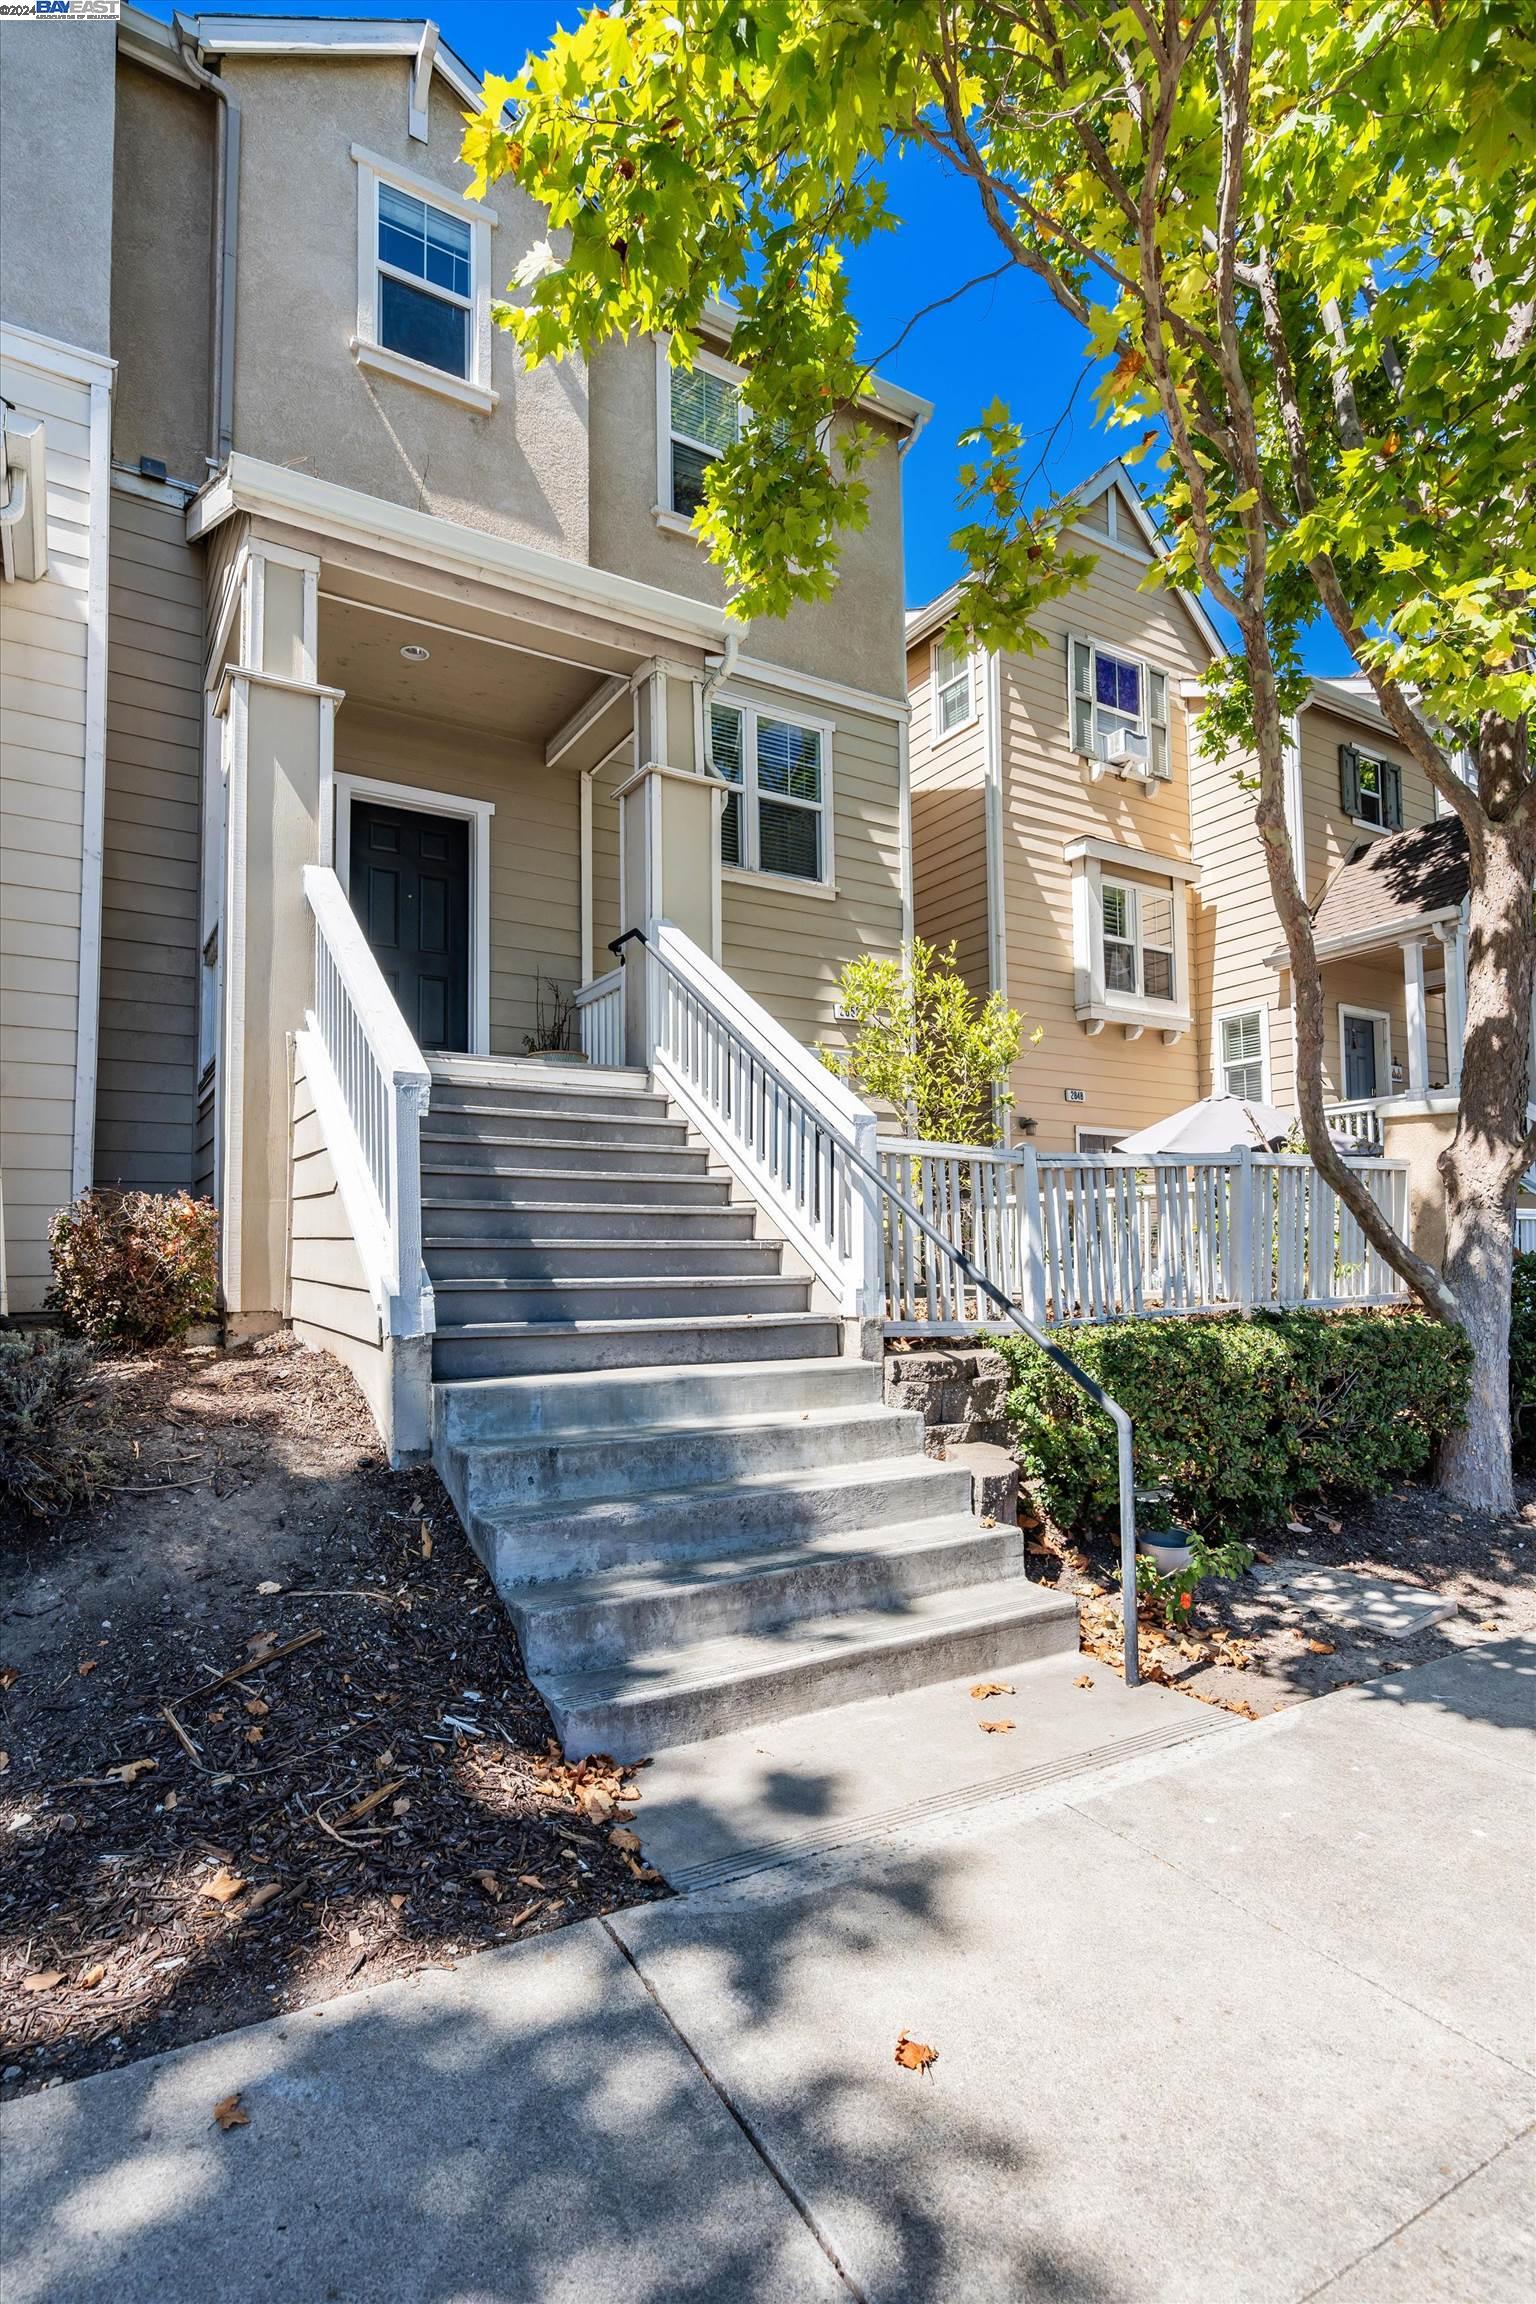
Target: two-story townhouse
{"x": 1051, "y": 831}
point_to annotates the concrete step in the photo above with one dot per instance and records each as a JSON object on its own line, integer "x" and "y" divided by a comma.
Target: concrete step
{"x": 458, "y": 1174}
{"x": 551, "y": 1542}
{"x": 489, "y": 1124}
{"x": 517, "y": 1407}
{"x": 516, "y": 1220}
{"x": 591, "y": 1621}
{"x": 526, "y": 1347}
{"x": 636, "y": 1459}
{"x": 580, "y": 1106}
{"x": 551, "y": 1080}
{"x": 487, "y": 1257}
{"x": 569, "y": 1156}
{"x": 563, "y": 1302}
{"x": 677, "y": 1695}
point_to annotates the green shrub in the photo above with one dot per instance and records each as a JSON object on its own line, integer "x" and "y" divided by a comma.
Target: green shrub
{"x": 1238, "y": 1418}
{"x": 134, "y": 1268}
{"x": 1522, "y": 1360}
{"x": 48, "y": 1410}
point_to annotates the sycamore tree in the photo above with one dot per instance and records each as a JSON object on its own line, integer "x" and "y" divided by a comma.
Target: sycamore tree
{"x": 1300, "y": 239}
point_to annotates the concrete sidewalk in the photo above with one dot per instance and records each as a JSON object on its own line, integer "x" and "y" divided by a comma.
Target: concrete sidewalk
{"x": 1243, "y": 2021}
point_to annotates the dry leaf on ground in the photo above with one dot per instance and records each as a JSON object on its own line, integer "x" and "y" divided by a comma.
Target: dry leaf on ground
{"x": 228, "y": 2114}
{"x": 915, "y": 2055}
{"x": 1082, "y": 1681}
{"x": 87, "y": 1665}
{"x": 627, "y": 1843}
{"x": 1321, "y": 1648}
{"x": 92, "y": 1976}
{"x": 268, "y": 1587}
{"x": 223, "y": 1886}
{"x": 489, "y": 1882}
{"x": 130, "y": 1771}
{"x": 46, "y": 1981}
{"x": 985, "y": 1688}
{"x": 994, "y": 1727}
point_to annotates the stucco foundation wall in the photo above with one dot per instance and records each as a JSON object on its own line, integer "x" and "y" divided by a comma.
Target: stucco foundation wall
{"x": 146, "y": 1079}
{"x": 300, "y": 397}
{"x": 535, "y": 844}
{"x": 43, "y": 747}
{"x": 1420, "y": 1141}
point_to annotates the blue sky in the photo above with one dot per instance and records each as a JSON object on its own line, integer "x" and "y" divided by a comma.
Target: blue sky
{"x": 1007, "y": 340}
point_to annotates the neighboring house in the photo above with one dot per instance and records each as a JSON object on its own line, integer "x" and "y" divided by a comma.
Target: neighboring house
{"x": 369, "y": 582}
{"x": 1051, "y": 831}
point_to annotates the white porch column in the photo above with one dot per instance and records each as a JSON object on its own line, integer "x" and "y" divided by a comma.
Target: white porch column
{"x": 669, "y": 841}
{"x": 1417, "y": 1019}
{"x": 1453, "y": 945}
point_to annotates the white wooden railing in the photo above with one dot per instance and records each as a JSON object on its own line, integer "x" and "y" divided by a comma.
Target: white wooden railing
{"x": 778, "y": 1119}
{"x": 371, "y": 1086}
{"x": 600, "y": 1011}
{"x": 1354, "y": 1125}
{"x": 1104, "y": 1237}
{"x": 1525, "y": 1234}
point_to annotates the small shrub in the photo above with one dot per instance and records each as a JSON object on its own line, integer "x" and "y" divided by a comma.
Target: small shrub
{"x": 1522, "y": 1360}
{"x": 924, "y": 1043}
{"x": 1239, "y": 1418}
{"x": 48, "y": 1410}
{"x": 134, "y": 1268}
{"x": 1175, "y": 1595}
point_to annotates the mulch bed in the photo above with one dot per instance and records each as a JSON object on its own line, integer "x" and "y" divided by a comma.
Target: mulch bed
{"x": 1250, "y": 1648}
{"x": 264, "y": 1729}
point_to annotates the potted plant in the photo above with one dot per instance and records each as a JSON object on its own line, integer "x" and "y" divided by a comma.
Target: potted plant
{"x": 550, "y": 1040}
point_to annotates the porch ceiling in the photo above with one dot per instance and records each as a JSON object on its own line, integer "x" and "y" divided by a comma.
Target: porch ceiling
{"x": 469, "y": 678}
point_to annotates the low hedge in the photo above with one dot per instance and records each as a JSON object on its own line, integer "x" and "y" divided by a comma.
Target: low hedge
{"x": 49, "y": 1418}
{"x": 132, "y": 1269}
{"x": 1239, "y": 1418}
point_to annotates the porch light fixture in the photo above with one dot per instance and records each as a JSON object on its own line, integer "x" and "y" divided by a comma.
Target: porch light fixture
{"x": 414, "y": 653}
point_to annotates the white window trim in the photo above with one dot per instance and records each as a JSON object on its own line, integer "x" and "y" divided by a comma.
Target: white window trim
{"x": 1098, "y": 767}
{"x": 752, "y": 874}
{"x": 475, "y": 390}
{"x": 1218, "y": 1067}
{"x": 477, "y": 814}
{"x": 1095, "y": 1004}
{"x": 1381, "y": 1018}
{"x": 1088, "y": 1128}
{"x": 679, "y": 523}
{"x": 936, "y": 734}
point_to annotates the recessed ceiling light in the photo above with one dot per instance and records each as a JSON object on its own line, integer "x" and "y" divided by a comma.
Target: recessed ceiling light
{"x": 414, "y": 653}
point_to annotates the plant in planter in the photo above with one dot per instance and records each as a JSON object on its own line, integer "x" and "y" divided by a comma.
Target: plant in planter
{"x": 553, "y": 1025}
{"x": 1174, "y": 1593}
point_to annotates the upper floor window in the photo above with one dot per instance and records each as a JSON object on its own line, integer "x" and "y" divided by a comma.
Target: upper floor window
{"x": 1240, "y": 1061}
{"x": 423, "y": 282}
{"x": 704, "y": 420}
{"x": 1138, "y": 940}
{"x": 1371, "y": 789}
{"x": 953, "y": 702}
{"x": 777, "y": 818}
{"x": 1119, "y": 707}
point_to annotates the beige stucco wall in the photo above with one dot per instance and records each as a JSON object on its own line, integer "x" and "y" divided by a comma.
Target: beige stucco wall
{"x": 949, "y": 826}
{"x": 146, "y": 1074}
{"x": 162, "y": 231}
{"x": 300, "y": 397}
{"x": 1048, "y": 800}
{"x": 535, "y": 844}
{"x": 1420, "y": 1141}
{"x": 56, "y": 125}
{"x": 855, "y": 637}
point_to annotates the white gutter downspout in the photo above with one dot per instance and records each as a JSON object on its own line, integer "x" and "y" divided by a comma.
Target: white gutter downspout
{"x": 227, "y": 165}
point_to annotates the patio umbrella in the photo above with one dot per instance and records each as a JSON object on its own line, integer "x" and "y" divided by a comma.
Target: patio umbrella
{"x": 1216, "y": 1124}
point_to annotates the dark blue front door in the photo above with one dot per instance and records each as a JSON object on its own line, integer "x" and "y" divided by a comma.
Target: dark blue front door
{"x": 410, "y": 889}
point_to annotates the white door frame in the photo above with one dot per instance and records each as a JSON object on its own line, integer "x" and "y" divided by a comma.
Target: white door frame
{"x": 1382, "y": 1020}
{"x": 477, "y": 814}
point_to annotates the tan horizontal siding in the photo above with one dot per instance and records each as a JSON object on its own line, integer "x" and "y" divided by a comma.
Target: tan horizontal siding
{"x": 1331, "y": 836}
{"x": 146, "y": 1102}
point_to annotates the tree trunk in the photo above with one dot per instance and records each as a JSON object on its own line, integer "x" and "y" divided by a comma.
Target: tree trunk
{"x": 1483, "y": 1164}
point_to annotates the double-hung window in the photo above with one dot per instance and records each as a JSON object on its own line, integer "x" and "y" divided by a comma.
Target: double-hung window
{"x": 704, "y": 419}
{"x": 423, "y": 284}
{"x": 1241, "y": 1056}
{"x": 1119, "y": 707}
{"x": 1371, "y": 789}
{"x": 953, "y": 701}
{"x": 777, "y": 815}
{"x": 1138, "y": 940}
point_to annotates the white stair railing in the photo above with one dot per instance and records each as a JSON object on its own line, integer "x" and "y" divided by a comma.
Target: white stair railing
{"x": 778, "y": 1119}
{"x": 600, "y": 1010}
{"x": 371, "y": 1088}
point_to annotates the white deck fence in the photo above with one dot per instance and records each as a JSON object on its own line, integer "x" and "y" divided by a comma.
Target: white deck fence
{"x": 1105, "y": 1237}
{"x": 600, "y": 1015}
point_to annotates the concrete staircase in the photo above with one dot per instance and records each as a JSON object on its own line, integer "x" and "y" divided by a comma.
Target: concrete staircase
{"x": 699, "y": 1512}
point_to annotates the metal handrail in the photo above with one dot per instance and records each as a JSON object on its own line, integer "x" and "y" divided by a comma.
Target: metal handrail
{"x": 1124, "y": 1455}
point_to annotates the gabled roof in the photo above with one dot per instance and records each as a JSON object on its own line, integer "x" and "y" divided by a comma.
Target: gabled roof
{"x": 1395, "y": 881}
{"x": 414, "y": 36}
{"x": 932, "y": 617}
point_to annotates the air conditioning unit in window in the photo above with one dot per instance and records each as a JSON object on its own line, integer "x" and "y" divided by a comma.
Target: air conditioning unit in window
{"x": 1124, "y": 749}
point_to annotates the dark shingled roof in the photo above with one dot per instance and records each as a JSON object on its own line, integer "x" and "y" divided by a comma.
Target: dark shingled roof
{"x": 1395, "y": 880}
